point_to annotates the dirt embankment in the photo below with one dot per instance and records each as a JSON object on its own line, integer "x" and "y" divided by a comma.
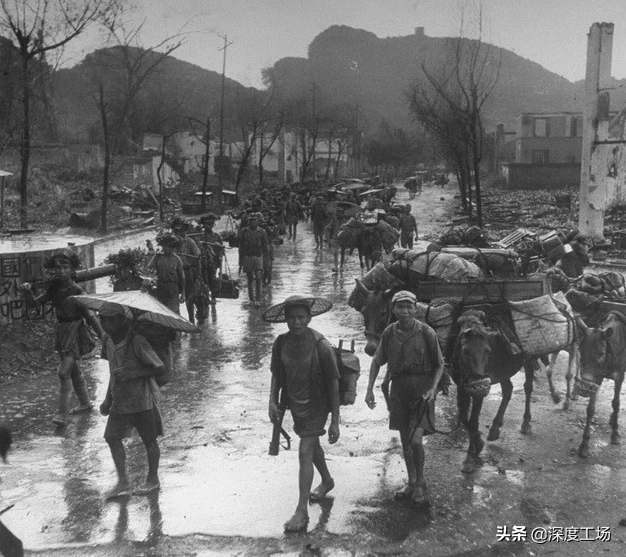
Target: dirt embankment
{"x": 26, "y": 348}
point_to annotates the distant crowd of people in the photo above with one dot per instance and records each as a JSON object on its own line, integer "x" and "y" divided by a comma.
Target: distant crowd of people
{"x": 188, "y": 269}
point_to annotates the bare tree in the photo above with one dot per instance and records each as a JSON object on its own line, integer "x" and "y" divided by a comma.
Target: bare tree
{"x": 203, "y": 137}
{"x": 119, "y": 74}
{"x": 102, "y": 108}
{"x": 463, "y": 84}
{"x": 336, "y": 133}
{"x": 448, "y": 130}
{"x": 128, "y": 66}
{"x": 271, "y": 130}
{"x": 9, "y": 69}
{"x": 255, "y": 117}
{"x": 35, "y": 28}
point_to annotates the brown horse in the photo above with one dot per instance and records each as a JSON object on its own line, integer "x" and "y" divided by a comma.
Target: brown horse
{"x": 602, "y": 356}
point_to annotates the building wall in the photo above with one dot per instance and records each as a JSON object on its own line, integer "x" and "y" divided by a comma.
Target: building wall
{"x": 546, "y": 176}
{"x": 78, "y": 157}
{"x": 559, "y": 135}
{"x": 187, "y": 148}
{"x": 608, "y": 166}
{"x": 133, "y": 172}
{"x": 556, "y": 125}
{"x": 560, "y": 149}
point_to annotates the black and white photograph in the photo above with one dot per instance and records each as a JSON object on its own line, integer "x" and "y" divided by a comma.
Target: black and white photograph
{"x": 322, "y": 278}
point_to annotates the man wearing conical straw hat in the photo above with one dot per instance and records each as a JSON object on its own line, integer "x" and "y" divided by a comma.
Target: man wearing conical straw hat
{"x": 304, "y": 368}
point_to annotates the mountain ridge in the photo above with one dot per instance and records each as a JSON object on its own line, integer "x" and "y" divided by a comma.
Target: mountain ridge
{"x": 345, "y": 65}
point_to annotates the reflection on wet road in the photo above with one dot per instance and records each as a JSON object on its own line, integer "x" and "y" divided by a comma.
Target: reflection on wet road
{"x": 218, "y": 480}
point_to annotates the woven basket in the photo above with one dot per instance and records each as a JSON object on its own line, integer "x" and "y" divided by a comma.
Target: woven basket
{"x": 585, "y": 388}
{"x": 541, "y": 328}
{"x": 379, "y": 278}
{"x": 439, "y": 317}
{"x": 479, "y": 388}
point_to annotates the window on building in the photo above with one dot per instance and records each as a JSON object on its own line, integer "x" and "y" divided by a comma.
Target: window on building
{"x": 541, "y": 127}
{"x": 574, "y": 127}
{"x": 540, "y": 156}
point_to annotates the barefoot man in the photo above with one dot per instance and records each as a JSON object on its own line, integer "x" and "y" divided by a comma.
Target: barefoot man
{"x": 303, "y": 363}
{"x": 133, "y": 397}
{"x": 415, "y": 363}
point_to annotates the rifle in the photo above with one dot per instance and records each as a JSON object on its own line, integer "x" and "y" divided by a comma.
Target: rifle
{"x": 279, "y": 430}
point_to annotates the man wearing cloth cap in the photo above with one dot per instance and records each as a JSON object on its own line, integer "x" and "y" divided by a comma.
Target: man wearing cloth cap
{"x": 304, "y": 368}
{"x": 415, "y": 363}
{"x": 253, "y": 245}
{"x": 133, "y": 397}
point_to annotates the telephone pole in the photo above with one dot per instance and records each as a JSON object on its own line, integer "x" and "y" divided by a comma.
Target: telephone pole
{"x": 218, "y": 193}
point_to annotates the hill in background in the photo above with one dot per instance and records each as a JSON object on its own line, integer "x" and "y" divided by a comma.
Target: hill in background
{"x": 356, "y": 66}
{"x": 346, "y": 65}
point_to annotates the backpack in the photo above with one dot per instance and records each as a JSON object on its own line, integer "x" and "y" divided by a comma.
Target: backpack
{"x": 349, "y": 371}
{"x": 159, "y": 338}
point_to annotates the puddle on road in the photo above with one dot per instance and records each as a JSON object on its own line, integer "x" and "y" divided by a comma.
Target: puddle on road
{"x": 216, "y": 475}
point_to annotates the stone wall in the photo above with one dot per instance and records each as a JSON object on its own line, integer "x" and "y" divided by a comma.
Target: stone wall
{"x": 544, "y": 176}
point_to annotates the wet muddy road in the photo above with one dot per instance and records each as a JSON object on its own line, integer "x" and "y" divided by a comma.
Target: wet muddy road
{"x": 223, "y": 495}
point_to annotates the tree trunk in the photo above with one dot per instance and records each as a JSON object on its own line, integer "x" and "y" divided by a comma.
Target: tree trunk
{"x": 340, "y": 148}
{"x": 205, "y": 166}
{"x": 261, "y": 156}
{"x": 476, "y": 156}
{"x": 305, "y": 160}
{"x": 328, "y": 162}
{"x": 479, "y": 202}
{"x": 462, "y": 188}
{"x": 159, "y": 177}
{"x": 25, "y": 143}
{"x": 107, "y": 157}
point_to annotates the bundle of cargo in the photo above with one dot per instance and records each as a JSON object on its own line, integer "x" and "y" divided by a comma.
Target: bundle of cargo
{"x": 411, "y": 266}
{"x": 611, "y": 285}
{"x": 392, "y": 220}
{"x": 440, "y": 316}
{"x": 461, "y": 236}
{"x": 379, "y": 278}
{"x": 388, "y": 235}
{"x": 543, "y": 325}
{"x": 350, "y": 233}
{"x": 494, "y": 262}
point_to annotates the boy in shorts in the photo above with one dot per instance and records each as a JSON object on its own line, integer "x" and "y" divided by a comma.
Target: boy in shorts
{"x": 304, "y": 365}
{"x": 415, "y": 363}
{"x": 133, "y": 397}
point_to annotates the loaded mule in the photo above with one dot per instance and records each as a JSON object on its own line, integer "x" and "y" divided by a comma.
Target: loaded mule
{"x": 364, "y": 239}
{"x": 487, "y": 350}
{"x": 602, "y": 356}
{"x": 486, "y": 359}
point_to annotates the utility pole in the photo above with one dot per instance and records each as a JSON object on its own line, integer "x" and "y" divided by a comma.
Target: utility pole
{"x": 218, "y": 193}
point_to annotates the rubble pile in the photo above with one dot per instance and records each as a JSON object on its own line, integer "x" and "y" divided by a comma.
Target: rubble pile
{"x": 541, "y": 211}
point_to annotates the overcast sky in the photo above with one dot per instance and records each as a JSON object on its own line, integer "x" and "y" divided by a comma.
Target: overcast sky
{"x": 552, "y": 33}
